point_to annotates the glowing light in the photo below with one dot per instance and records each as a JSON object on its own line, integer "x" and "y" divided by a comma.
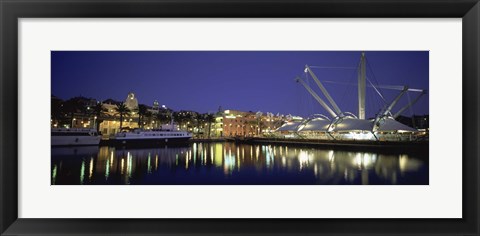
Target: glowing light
{"x": 91, "y": 168}
{"x": 304, "y": 159}
{"x": 211, "y": 154}
{"x": 107, "y": 170}
{"x": 331, "y": 157}
{"x": 111, "y": 159}
{"x": 54, "y": 174}
{"x": 194, "y": 153}
{"x": 82, "y": 172}
{"x": 402, "y": 162}
{"x": 129, "y": 164}
{"x": 358, "y": 160}
{"x": 218, "y": 154}
{"x": 268, "y": 156}
{"x": 149, "y": 167}
{"x": 229, "y": 163}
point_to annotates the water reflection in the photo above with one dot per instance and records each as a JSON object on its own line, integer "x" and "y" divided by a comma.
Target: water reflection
{"x": 230, "y": 163}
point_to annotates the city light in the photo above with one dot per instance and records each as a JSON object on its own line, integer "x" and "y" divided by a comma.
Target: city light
{"x": 338, "y": 147}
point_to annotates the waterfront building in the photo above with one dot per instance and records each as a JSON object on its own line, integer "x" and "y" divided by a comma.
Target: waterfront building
{"x": 235, "y": 123}
{"x": 238, "y": 123}
{"x": 217, "y": 127}
{"x": 131, "y": 102}
{"x": 76, "y": 112}
{"x": 111, "y": 123}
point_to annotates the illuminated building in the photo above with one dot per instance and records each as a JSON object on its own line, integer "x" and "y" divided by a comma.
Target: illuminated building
{"x": 234, "y": 123}
{"x": 111, "y": 124}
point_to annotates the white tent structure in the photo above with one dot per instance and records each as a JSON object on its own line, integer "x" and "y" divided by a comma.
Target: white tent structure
{"x": 388, "y": 124}
{"x": 291, "y": 126}
{"x": 315, "y": 124}
{"x": 345, "y": 125}
{"x": 349, "y": 124}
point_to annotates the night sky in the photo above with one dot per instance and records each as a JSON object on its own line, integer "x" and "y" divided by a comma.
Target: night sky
{"x": 241, "y": 80}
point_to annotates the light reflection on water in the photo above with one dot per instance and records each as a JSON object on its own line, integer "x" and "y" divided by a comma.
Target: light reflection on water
{"x": 230, "y": 163}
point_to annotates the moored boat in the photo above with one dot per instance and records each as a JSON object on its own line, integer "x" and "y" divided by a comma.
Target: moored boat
{"x": 151, "y": 138}
{"x": 74, "y": 137}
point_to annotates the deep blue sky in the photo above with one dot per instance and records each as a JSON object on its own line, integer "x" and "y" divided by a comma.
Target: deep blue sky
{"x": 242, "y": 80}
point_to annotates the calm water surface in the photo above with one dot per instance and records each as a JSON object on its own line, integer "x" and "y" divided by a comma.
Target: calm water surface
{"x": 230, "y": 163}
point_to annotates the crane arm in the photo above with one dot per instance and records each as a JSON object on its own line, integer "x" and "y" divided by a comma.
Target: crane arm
{"x": 409, "y": 105}
{"x": 324, "y": 90}
{"x": 315, "y": 95}
{"x": 395, "y": 101}
{"x": 390, "y": 87}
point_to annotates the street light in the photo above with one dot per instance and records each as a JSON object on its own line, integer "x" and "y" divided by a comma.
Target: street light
{"x": 95, "y": 122}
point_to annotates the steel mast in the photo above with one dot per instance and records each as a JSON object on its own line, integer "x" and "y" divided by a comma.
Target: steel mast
{"x": 409, "y": 105}
{"x": 324, "y": 91}
{"x": 395, "y": 101}
{"x": 315, "y": 95}
{"x": 361, "y": 87}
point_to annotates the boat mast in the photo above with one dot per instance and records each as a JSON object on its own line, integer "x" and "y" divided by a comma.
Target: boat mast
{"x": 361, "y": 87}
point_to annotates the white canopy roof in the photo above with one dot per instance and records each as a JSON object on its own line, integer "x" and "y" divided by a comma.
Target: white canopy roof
{"x": 346, "y": 124}
{"x": 389, "y": 124}
{"x": 290, "y": 126}
{"x": 353, "y": 124}
{"x": 316, "y": 124}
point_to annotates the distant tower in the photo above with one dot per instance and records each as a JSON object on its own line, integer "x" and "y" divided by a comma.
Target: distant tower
{"x": 131, "y": 102}
{"x": 156, "y": 105}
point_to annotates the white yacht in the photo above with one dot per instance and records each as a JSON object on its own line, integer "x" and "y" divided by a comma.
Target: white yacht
{"x": 74, "y": 137}
{"x": 153, "y": 137}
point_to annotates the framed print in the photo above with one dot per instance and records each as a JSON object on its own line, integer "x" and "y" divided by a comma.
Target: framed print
{"x": 178, "y": 117}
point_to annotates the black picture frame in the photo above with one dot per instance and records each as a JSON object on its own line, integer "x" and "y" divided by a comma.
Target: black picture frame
{"x": 11, "y": 11}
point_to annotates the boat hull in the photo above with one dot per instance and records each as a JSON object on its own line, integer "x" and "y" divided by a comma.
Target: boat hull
{"x": 160, "y": 142}
{"x": 75, "y": 140}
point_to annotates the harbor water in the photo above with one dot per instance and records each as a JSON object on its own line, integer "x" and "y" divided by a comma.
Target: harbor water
{"x": 229, "y": 163}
